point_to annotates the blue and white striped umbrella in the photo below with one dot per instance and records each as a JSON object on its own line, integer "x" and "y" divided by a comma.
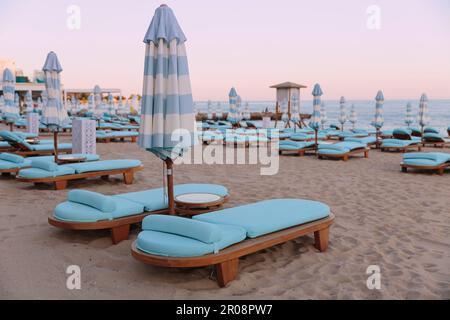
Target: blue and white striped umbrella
{"x": 342, "y": 112}
{"x": 424, "y": 117}
{"x": 209, "y": 110}
{"x": 167, "y": 115}
{"x": 54, "y": 115}
{"x": 111, "y": 109}
{"x": 247, "y": 113}
{"x": 39, "y": 103}
{"x": 315, "y": 117}
{"x": 323, "y": 114}
{"x": 233, "y": 101}
{"x": 295, "y": 109}
{"x": 409, "y": 116}
{"x": 91, "y": 102}
{"x": 2, "y": 103}
{"x": 238, "y": 108}
{"x": 10, "y": 112}
{"x": 29, "y": 101}
{"x": 378, "y": 120}
{"x": 353, "y": 118}
{"x": 219, "y": 113}
{"x": 44, "y": 96}
{"x": 98, "y": 112}
{"x": 17, "y": 101}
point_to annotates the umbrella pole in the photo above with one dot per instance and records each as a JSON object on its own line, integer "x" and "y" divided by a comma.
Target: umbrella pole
{"x": 55, "y": 144}
{"x": 11, "y": 127}
{"x": 169, "y": 165}
{"x": 316, "y": 139}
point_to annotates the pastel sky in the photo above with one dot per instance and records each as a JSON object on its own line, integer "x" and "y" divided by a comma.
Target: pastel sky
{"x": 249, "y": 44}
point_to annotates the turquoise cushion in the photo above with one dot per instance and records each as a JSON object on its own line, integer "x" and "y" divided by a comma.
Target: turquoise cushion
{"x": 268, "y": 216}
{"x": 92, "y": 199}
{"x": 44, "y": 165}
{"x": 426, "y": 158}
{"x": 402, "y": 131}
{"x": 294, "y": 145}
{"x": 430, "y": 130}
{"x": 5, "y": 165}
{"x": 104, "y": 165}
{"x": 153, "y": 199}
{"x": 37, "y": 173}
{"x": 119, "y": 134}
{"x": 47, "y": 146}
{"x": 364, "y": 140}
{"x": 12, "y": 157}
{"x": 4, "y": 144}
{"x": 77, "y": 212}
{"x": 25, "y": 135}
{"x": 340, "y": 147}
{"x": 431, "y": 136}
{"x": 172, "y": 245}
{"x": 397, "y": 143}
{"x": 198, "y": 230}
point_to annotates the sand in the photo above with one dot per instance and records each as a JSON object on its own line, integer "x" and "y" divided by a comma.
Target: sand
{"x": 400, "y": 222}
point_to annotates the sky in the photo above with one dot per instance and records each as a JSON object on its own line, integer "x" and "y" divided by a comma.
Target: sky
{"x": 249, "y": 44}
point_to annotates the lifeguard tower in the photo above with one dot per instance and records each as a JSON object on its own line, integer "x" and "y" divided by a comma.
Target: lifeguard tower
{"x": 287, "y": 91}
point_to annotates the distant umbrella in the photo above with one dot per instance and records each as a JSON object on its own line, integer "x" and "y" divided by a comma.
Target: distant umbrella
{"x": 409, "y": 116}
{"x": 111, "y": 104}
{"x": 284, "y": 111}
{"x": 10, "y": 112}
{"x": 424, "y": 118}
{"x": 2, "y": 103}
{"x": 238, "y": 108}
{"x": 315, "y": 117}
{"x": 29, "y": 101}
{"x": 98, "y": 112}
{"x": 17, "y": 101}
{"x": 342, "y": 112}
{"x": 295, "y": 110}
{"x": 323, "y": 114}
{"x": 39, "y": 103}
{"x": 232, "y": 108}
{"x": 353, "y": 118}
{"x": 209, "y": 109}
{"x": 91, "y": 102}
{"x": 247, "y": 114}
{"x": 54, "y": 115}
{"x": 219, "y": 114}
{"x": 378, "y": 120}
{"x": 44, "y": 96}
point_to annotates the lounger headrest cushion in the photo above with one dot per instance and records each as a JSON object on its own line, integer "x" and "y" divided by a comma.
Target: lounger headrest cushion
{"x": 11, "y": 157}
{"x": 432, "y": 135}
{"x": 92, "y": 199}
{"x": 430, "y": 130}
{"x": 201, "y": 231}
{"x": 44, "y": 165}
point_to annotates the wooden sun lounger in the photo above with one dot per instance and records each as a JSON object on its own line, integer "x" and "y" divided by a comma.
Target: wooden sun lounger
{"x": 120, "y": 228}
{"x": 440, "y": 168}
{"x": 22, "y": 150}
{"x": 435, "y": 143}
{"x": 345, "y": 156}
{"x": 300, "y": 152}
{"x": 121, "y": 139}
{"x": 403, "y": 149}
{"x": 226, "y": 261}
{"x": 60, "y": 182}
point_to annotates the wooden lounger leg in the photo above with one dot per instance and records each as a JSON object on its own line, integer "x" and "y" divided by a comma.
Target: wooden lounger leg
{"x": 366, "y": 154}
{"x": 227, "y": 271}
{"x": 60, "y": 185}
{"x": 301, "y": 153}
{"x": 6, "y": 174}
{"x": 321, "y": 239}
{"x": 404, "y": 169}
{"x": 441, "y": 171}
{"x": 120, "y": 233}
{"x": 128, "y": 177}
{"x": 105, "y": 177}
{"x": 133, "y": 139}
{"x": 345, "y": 158}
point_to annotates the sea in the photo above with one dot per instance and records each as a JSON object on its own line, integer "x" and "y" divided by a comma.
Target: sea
{"x": 394, "y": 111}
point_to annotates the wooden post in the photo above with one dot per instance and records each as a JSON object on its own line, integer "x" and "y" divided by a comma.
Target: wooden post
{"x": 316, "y": 139}
{"x": 55, "y": 144}
{"x": 11, "y": 127}
{"x": 169, "y": 165}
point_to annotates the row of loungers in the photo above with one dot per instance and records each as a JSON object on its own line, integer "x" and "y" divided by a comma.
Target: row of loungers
{"x": 111, "y": 136}
{"x": 435, "y": 161}
{"x": 216, "y": 239}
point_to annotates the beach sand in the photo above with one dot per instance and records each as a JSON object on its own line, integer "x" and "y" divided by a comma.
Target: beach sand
{"x": 400, "y": 222}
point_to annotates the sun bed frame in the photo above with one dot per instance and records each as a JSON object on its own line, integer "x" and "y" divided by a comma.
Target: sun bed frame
{"x": 345, "y": 156}
{"x": 226, "y": 262}
{"x": 440, "y": 168}
{"x": 300, "y": 152}
{"x": 60, "y": 182}
{"x": 433, "y": 142}
{"x": 113, "y": 139}
{"x": 403, "y": 149}
{"x": 23, "y": 150}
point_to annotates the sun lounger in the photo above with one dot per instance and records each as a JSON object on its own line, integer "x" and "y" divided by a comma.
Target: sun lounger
{"x": 108, "y": 136}
{"x": 416, "y": 132}
{"x": 426, "y": 161}
{"x": 387, "y": 134}
{"x": 400, "y": 145}
{"x": 342, "y": 150}
{"x": 86, "y": 210}
{"x": 431, "y": 130}
{"x": 435, "y": 139}
{"x": 220, "y": 238}
{"x": 342, "y": 135}
{"x": 209, "y": 136}
{"x": 297, "y": 147}
{"x": 448, "y": 131}
{"x": 369, "y": 141}
{"x": 13, "y": 163}
{"x": 59, "y": 175}
{"x": 299, "y": 136}
{"x": 404, "y": 134}
{"x": 22, "y": 147}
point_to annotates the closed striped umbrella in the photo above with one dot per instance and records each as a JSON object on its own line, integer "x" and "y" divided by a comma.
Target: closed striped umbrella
{"x": 315, "y": 117}
{"x": 98, "y": 112}
{"x": 219, "y": 114}
{"x": 232, "y": 101}
{"x": 342, "y": 112}
{"x": 17, "y": 101}
{"x": 10, "y": 112}
{"x": 424, "y": 117}
{"x": 284, "y": 111}
{"x": 209, "y": 109}
{"x": 44, "y": 96}
{"x": 409, "y": 116}
{"x": 39, "y": 103}
{"x": 167, "y": 116}
{"x": 111, "y": 104}
{"x": 2, "y": 103}
{"x": 29, "y": 101}
{"x": 378, "y": 120}
{"x": 91, "y": 102}
{"x": 246, "y": 114}
{"x": 353, "y": 118}
{"x": 295, "y": 110}
{"x": 323, "y": 114}
{"x": 54, "y": 115}
{"x": 238, "y": 108}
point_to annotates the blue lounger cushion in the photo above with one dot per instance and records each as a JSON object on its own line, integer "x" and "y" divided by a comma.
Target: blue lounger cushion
{"x": 173, "y": 245}
{"x": 426, "y": 158}
{"x": 92, "y": 199}
{"x": 38, "y": 173}
{"x": 398, "y": 143}
{"x": 198, "y": 230}
{"x": 430, "y": 130}
{"x": 403, "y": 131}
{"x": 153, "y": 199}
{"x": 81, "y": 212}
{"x": 104, "y": 165}
{"x": 294, "y": 145}
{"x": 268, "y": 216}
{"x": 363, "y": 140}
{"x": 12, "y": 157}
{"x": 4, "y": 144}
{"x": 340, "y": 147}
{"x": 48, "y": 146}
{"x": 431, "y": 136}
{"x": 44, "y": 165}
